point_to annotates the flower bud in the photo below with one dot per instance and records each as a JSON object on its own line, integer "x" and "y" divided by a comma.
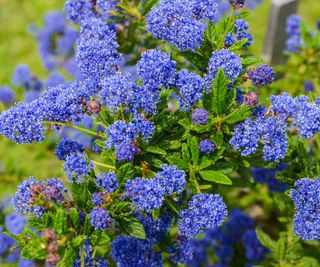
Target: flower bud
{"x": 53, "y": 247}
{"x": 251, "y": 99}
{"x": 94, "y": 106}
{"x": 49, "y": 234}
{"x": 52, "y": 259}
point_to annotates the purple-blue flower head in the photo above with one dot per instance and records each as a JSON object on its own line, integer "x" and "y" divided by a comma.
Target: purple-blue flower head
{"x": 6, "y": 95}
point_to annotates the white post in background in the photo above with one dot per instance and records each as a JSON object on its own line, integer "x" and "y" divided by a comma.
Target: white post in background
{"x": 276, "y": 37}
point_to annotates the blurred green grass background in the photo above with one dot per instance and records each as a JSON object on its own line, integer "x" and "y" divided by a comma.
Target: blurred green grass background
{"x": 18, "y": 46}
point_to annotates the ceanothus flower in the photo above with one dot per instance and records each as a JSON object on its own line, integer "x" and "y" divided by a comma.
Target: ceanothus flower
{"x": 238, "y": 3}
{"x": 294, "y": 42}
{"x": 206, "y": 146}
{"x": 200, "y": 116}
{"x": 65, "y": 147}
{"x": 255, "y": 251}
{"x": 77, "y": 167}
{"x": 190, "y": 87}
{"x": 15, "y": 223}
{"x": 108, "y": 181}
{"x": 241, "y": 32}
{"x": 227, "y": 61}
{"x": 171, "y": 179}
{"x": 97, "y": 198}
{"x": 146, "y": 194}
{"x": 262, "y": 75}
{"x": 176, "y": 22}
{"x": 204, "y": 212}
{"x": 6, "y": 95}
{"x": 21, "y": 76}
{"x": 100, "y": 218}
{"x": 308, "y": 86}
{"x": 156, "y": 69}
{"x": 306, "y": 198}
{"x": 22, "y": 123}
{"x": 125, "y": 151}
{"x": 96, "y": 53}
{"x": 129, "y": 251}
{"x": 54, "y": 79}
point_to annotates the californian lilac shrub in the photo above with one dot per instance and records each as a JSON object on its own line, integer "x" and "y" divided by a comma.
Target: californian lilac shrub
{"x": 165, "y": 138}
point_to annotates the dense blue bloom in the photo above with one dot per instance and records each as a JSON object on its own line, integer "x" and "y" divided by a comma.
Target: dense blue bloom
{"x": 182, "y": 250}
{"x": 21, "y": 76}
{"x": 172, "y": 179}
{"x": 206, "y": 146}
{"x": 308, "y": 86}
{"x": 108, "y": 181}
{"x": 77, "y": 167}
{"x": 146, "y": 194}
{"x": 65, "y": 147}
{"x": 306, "y": 198}
{"x": 156, "y": 229}
{"x": 190, "y": 87}
{"x": 200, "y": 116}
{"x": 241, "y": 32}
{"x": 54, "y": 79}
{"x": 6, "y": 95}
{"x": 76, "y": 10}
{"x": 230, "y": 40}
{"x": 97, "y": 50}
{"x": 205, "y": 9}
{"x": 15, "y": 223}
{"x": 6, "y": 243}
{"x": 205, "y": 211}
{"x": 156, "y": 69}
{"x": 176, "y": 22}
{"x": 21, "y": 202}
{"x": 97, "y": 198}
{"x": 129, "y": 251}
{"x": 254, "y": 250}
{"x": 125, "y": 151}
{"x": 22, "y": 123}
{"x": 294, "y": 42}
{"x": 227, "y": 61}
{"x": 262, "y": 75}
{"x": 267, "y": 176}
{"x": 239, "y": 96}
{"x": 100, "y": 218}
{"x": 117, "y": 91}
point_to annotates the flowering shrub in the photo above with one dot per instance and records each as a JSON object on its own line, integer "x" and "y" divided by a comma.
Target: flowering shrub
{"x": 172, "y": 137}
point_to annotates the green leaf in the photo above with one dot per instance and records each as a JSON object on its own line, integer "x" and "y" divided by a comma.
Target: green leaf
{"x": 39, "y": 223}
{"x": 243, "y": 14}
{"x": 193, "y": 144}
{"x": 238, "y": 45}
{"x": 308, "y": 262}
{"x": 266, "y": 240}
{"x": 224, "y": 167}
{"x": 240, "y": 114}
{"x": 250, "y": 60}
{"x": 34, "y": 250}
{"x": 147, "y": 7}
{"x": 99, "y": 238}
{"x": 174, "y": 160}
{"x": 80, "y": 194}
{"x": 74, "y": 218}
{"x": 217, "y": 138}
{"x": 215, "y": 176}
{"x": 280, "y": 250}
{"x": 205, "y": 163}
{"x": 186, "y": 122}
{"x": 155, "y": 150}
{"x": 124, "y": 172}
{"x": 76, "y": 242}
{"x": 185, "y": 153}
{"x": 133, "y": 227}
{"x": 70, "y": 255}
{"x": 220, "y": 89}
{"x": 60, "y": 221}
{"x": 205, "y": 186}
{"x": 20, "y": 239}
{"x": 196, "y": 59}
{"x": 88, "y": 229}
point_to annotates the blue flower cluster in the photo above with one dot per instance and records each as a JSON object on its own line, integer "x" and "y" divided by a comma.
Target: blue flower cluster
{"x": 227, "y": 61}
{"x": 66, "y": 147}
{"x": 205, "y": 211}
{"x": 77, "y": 166}
{"x": 306, "y": 200}
{"x": 294, "y": 42}
{"x": 122, "y": 136}
{"x": 56, "y": 42}
{"x": 148, "y": 194}
{"x": 241, "y": 32}
{"x": 25, "y": 199}
{"x": 200, "y": 116}
{"x": 262, "y": 75}
{"x": 6, "y": 95}
{"x": 180, "y": 22}
{"x": 206, "y": 146}
{"x": 267, "y": 176}
{"x": 108, "y": 181}
{"x": 100, "y": 218}
{"x": 96, "y": 53}
{"x": 129, "y": 251}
